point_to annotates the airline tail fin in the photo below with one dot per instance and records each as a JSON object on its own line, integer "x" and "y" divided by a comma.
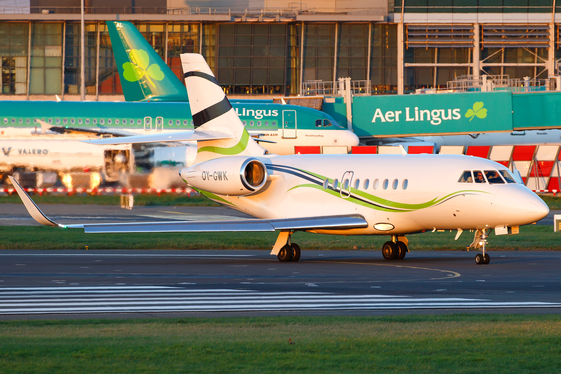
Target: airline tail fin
{"x": 213, "y": 112}
{"x": 144, "y": 75}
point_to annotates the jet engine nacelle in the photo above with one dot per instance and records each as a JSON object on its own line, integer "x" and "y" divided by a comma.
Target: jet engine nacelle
{"x": 233, "y": 176}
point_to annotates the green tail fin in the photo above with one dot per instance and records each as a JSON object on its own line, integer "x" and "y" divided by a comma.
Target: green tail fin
{"x": 144, "y": 75}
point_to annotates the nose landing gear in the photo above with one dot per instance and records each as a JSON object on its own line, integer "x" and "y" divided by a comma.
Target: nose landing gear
{"x": 479, "y": 242}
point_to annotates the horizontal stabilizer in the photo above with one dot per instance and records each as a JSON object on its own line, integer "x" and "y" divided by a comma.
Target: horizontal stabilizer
{"x": 250, "y": 225}
{"x": 176, "y": 136}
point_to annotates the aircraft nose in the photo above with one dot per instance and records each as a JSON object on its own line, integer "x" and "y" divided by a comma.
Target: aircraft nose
{"x": 351, "y": 140}
{"x": 519, "y": 206}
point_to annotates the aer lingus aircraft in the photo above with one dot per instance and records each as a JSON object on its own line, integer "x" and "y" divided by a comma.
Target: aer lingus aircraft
{"x": 392, "y": 195}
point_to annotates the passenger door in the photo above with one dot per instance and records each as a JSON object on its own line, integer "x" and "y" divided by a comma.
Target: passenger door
{"x": 289, "y": 124}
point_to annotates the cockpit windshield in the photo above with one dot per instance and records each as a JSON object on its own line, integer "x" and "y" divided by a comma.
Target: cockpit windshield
{"x": 507, "y": 176}
{"x": 490, "y": 176}
{"x": 493, "y": 177}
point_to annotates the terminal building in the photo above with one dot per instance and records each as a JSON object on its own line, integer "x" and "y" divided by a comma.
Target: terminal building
{"x": 266, "y": 48}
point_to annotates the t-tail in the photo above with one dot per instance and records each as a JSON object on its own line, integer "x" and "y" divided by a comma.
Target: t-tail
{"x": 213, "y": 112}
{"x": 144, "y": 75}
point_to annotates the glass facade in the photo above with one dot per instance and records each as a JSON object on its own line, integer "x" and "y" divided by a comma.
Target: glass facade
{"x": 275, "y": 58}
{"x": 46, "y": 59}
{"x": 319, "y": 51}
{"x": 252, "y": 58}
{"x": 14, "y": 46}
{"x": 182, "y": 38}
{"x": 383, "y": 60}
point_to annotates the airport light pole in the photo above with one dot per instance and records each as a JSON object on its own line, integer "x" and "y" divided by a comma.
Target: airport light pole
{"x": 82, "y": 53}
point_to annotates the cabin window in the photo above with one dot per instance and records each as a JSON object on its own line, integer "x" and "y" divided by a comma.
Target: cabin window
{"x": 170, "y": 122}
{"x": 404, "y": 184}
{"x": 57, "y": 121}
{"x": 318, "y": 122}
{"x": 124, "y": 122}
{"x": 346, "y": 184}
{"x": 87, "y": 121}
{"x": 250, "y": 123}
{"x": 109, "y": 121}
{"x": 80, "y": 121}
{"x": 65, "y": 121}
{"x": 102, "y": 121}
{"x": 357, "y": 184}
{"x": 21, "y": 120}
{"x": 13, "y": 120}
{"x": 466, "y": 177}
{"x": 376, "y": 184}
{"x": 72, "y": 121}
{"x": 94, "y": 121}
{"x": 335, "y": 183}
{"x": 50, "y": 120}
{"x": 27, "y": 121}
{"x": 385, "y": 184}
{"x": 178, "y": 122}
{"x": 5, "y": 120}
{"x": 259, "y": 123}
{"x": 478, "y": 177}
{"x": 494, "y": 177}
{"x": 507, "y": 176}
{"x": 366, "y": 184}
{"x": 266, "y": 123}
{"x": 274, "y": 123}
{"x": 325, "y": 184}
{"x": 117, "y": 121}
{"x": 394, "y": 184}
{"x": 326, "y": 123}
{"x": 245, "y": 123}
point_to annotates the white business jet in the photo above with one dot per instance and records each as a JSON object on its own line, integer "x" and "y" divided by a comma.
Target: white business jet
{"x": 390, "y": 195}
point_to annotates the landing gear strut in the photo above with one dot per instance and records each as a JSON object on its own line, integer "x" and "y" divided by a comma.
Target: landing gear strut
{"x": 284, "y": 249}
{"x": 395, "y": 249}
{"x": 479, "y": 242}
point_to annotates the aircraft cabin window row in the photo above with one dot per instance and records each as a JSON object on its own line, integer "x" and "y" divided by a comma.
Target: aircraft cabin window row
{"x": 346, "y": 183}
{"x": 94, "y": 121}
{"x": 486, "y": 176}
{"x": 259, "y": 123}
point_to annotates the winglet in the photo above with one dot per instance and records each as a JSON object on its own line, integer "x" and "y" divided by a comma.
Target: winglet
{"x": 31, "y": 207}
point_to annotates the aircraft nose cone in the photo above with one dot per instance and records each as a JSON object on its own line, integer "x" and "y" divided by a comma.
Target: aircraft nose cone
{"x": 519, "y": 206}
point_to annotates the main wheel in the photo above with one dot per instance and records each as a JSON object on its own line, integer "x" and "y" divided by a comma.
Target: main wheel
{"x": 486, "y": 259}
{"x": 285, "y": 254}
{"x": 389, "y": 251}
{"x": 295, "y": 252}
{"x": 401, "y": 250}
{"x": 479, "y": 259}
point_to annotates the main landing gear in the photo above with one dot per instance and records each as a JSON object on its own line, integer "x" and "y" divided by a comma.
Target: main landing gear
{"x": 395, "y": 249}
{"x": 286, "y": 250}
{"x": 479, "y": 242}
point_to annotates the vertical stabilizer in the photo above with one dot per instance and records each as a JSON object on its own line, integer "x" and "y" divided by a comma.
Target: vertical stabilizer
{"x": 212, "y": 111}
{"x": 144, "y": 75}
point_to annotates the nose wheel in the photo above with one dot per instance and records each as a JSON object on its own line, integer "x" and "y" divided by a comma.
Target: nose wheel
{"x": 479, "y": 242}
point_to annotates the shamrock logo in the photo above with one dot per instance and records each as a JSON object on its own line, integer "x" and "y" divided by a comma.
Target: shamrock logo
{"x": 140, "y": 67}
{"x": 477, "y": 110}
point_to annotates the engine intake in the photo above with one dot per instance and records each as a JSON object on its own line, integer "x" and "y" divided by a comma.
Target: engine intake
{"x": 235, "y": 176}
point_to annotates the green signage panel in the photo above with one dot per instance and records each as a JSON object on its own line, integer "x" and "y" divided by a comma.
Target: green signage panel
{"x": 432, "y": 114}
{"x": 534, "y": 111}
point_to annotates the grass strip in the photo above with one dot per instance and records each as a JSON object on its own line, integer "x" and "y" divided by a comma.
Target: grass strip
{"x": 532, "y": 237}
{"x": 163, "y": 199}
{"x": 463, "y": 343}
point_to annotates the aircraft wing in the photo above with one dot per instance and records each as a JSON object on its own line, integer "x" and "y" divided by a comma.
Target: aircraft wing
{"x": 176, "y": 136}
{"x": 253, "y": 225}
{"x": 77, "y": 130}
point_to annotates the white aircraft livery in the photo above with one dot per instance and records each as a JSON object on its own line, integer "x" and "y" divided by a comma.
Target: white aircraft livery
{"x": 392, "y": 195}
